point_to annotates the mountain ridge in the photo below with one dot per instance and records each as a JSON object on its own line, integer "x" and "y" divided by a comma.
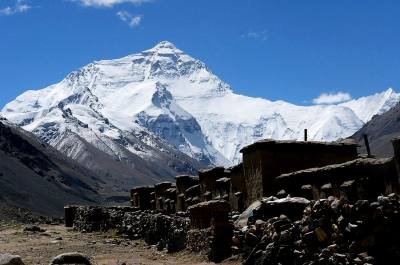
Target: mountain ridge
{"x": 176, "y": 99}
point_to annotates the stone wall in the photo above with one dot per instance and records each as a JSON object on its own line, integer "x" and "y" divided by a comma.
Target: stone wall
{"x": 166, "y": 231}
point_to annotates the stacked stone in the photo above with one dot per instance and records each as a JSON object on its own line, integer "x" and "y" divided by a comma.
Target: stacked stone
{"x": 331, "y": 231}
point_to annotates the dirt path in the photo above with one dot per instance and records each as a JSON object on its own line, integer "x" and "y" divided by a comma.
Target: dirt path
{"x": 39, "y": 248}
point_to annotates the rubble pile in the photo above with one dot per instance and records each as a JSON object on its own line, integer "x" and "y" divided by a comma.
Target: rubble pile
{"x": 330, "y": 231}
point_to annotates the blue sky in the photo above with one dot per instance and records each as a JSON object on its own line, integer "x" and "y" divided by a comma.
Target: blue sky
{"x": 276, "y": 49}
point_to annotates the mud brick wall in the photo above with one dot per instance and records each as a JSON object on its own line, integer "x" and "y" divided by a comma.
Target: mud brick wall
{"x": 263, "y": 161}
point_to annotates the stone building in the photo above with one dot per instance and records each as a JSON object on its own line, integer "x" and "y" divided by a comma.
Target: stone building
{"x": 183, "y": 183}
{"x": 141, "y": 197}
{"x": 192, "y": 195}
{"x": 208, "y": 178}
{"x": 159, "y": 194}
{"x": 362, "y": 178}
{"x": 239, "y": 193}
{"x": 265, "y": 160}
{"x": 170, "y": 200}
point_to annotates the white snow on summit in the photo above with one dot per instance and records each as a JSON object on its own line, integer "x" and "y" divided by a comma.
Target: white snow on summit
{"x": 175, "y": 97}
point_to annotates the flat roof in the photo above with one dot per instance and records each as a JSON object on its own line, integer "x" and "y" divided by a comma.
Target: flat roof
{"x": 334, "y": 168}
{"x": 236, "y": 167}
{"x": 142, "y": 187}
{"x": 187, "y": 177}
{"x": 165, "y": 183}
{"x": 271, "y": 142}
{"x": 211, "y": 169}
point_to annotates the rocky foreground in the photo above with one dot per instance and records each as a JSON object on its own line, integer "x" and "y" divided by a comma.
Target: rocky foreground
{"x": 287, "y": 231}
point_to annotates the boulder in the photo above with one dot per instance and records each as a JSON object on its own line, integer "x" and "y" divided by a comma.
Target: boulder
{"x": 8, "y": 259}
{"x": 34, "y": 228}
{"x": 71, "y": 258}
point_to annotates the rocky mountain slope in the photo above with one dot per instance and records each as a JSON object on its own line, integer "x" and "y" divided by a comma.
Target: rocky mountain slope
{"x": 162, "y": 106}
{"x": 35, "y": 176}
{"x": 380, "y": 130}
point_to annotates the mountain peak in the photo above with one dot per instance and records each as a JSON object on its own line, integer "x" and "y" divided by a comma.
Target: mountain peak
{"x": 164, "y": 45}
{"x": 390, "y": 91}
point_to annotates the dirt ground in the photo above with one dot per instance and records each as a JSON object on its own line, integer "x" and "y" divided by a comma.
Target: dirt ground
{"x": 41, "y": 247}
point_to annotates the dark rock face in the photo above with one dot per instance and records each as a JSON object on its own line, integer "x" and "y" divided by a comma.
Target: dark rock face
{"x": 331, "y": 231}
{"x": 37, "y": 177}
{"x": 380, "y": 130}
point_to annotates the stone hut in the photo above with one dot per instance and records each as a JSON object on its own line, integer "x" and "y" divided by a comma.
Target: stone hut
{"x": 208, "y": 178}
{"x": 159, "y": 194}
{"x": 183, "y": 183}
{"x": 141, "y": 197}
{"x": 265, "y": 160}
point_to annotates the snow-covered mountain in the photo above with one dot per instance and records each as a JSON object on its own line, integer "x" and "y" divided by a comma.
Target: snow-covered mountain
{"x": 159, "y": 100}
